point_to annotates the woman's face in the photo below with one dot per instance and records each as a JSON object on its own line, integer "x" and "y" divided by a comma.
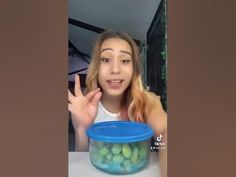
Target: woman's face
{"x": 116, "y": 68}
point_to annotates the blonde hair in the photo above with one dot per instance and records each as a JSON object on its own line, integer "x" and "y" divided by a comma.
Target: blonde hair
{"x": 135, "y": 100}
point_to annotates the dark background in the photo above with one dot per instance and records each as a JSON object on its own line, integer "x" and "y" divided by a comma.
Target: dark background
{"x": 201, "y": 86}
{"x": 157, "y": 54}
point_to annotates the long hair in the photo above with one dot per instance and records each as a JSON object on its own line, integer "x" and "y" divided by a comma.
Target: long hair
{"x": 133, "y": 104}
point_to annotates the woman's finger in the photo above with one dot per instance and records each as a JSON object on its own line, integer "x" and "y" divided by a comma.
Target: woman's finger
{"x": 77, "y": 85}
{"x": 70, "y": 96}
{"x": 96, "y": 99}
{"x": 92, "y": 93}
{"x": 69, "y": 107}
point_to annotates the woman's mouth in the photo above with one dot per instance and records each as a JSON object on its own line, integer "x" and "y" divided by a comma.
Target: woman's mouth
{"x": 115, "y": 83}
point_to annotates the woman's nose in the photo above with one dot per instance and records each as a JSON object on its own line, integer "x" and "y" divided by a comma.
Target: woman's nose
{"x": 115, "y": 68}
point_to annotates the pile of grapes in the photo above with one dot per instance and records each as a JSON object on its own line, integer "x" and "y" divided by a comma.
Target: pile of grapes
{"x": 119, "y": 158}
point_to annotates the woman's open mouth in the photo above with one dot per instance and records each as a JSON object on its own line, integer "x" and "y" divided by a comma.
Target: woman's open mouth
{"x": 115, "y": 83}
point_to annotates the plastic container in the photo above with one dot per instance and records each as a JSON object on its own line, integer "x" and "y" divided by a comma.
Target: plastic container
{"x": 119, "y": 147}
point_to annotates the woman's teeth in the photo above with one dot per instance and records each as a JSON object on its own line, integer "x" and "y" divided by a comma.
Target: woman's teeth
{"x": 115, "y": 81}
{"x": 115, "y": 84}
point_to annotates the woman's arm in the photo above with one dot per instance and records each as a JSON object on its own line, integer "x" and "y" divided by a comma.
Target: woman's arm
{"x": 157, "y": 118}
{"x": 83, "y": 110}
{"x": 81, "y": 139}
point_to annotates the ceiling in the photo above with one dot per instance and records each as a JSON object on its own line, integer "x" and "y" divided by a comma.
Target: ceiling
{"x": 132, "y": 16}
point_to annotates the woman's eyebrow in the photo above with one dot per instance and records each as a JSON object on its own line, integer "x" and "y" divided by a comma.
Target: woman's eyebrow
{"x": 106, "y": 49}
{"x": 123, "y": 51}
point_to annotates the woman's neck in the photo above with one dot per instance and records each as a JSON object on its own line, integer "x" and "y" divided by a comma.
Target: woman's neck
{"x": 112, "y": 104}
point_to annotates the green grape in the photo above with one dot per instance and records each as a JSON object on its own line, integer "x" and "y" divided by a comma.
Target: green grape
{"x": 108, "y": 145}
{"x": 143, "y": 152}
{"x": 100, "y": 144}
{"x": 132, "y": 145}
{"x": 126, "y": 164}
{"x": 142, "y": 143}
{"x": 118, "y": 159}
{"x": 99, "y": 159}
{"x": 116, "y": 148}
{"x": 126, "y": 151}
{"x": 109, "y": 157}
{"x": 103, "y": 151}
{"x": 134, "y": 157}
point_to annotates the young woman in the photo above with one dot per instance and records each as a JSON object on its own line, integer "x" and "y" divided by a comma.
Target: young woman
{"x": 115, "y": 91}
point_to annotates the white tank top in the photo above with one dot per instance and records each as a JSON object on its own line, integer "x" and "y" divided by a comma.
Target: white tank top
{"x": 104, "y": 115}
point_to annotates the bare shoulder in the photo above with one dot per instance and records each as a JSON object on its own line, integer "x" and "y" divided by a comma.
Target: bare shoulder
{"x": 152, "y": 101}
{"x": 154, "y": 113}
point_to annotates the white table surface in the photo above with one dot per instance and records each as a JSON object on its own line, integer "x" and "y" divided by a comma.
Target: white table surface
{"x": 80, "y": 166}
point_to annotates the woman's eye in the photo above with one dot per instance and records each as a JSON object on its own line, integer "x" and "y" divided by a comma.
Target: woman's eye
{"x": 126, "y": 61}
{"x": 105, "y": 60}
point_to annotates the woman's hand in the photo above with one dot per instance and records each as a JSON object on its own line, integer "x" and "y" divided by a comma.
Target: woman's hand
{"x": 83, "y": 108}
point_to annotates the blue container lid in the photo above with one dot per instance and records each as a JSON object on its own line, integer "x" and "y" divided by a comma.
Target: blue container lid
{"x": 119, "y": 131}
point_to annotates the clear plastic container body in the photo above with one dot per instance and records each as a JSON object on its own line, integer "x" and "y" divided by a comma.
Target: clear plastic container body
{"x": 119, "y": 158}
